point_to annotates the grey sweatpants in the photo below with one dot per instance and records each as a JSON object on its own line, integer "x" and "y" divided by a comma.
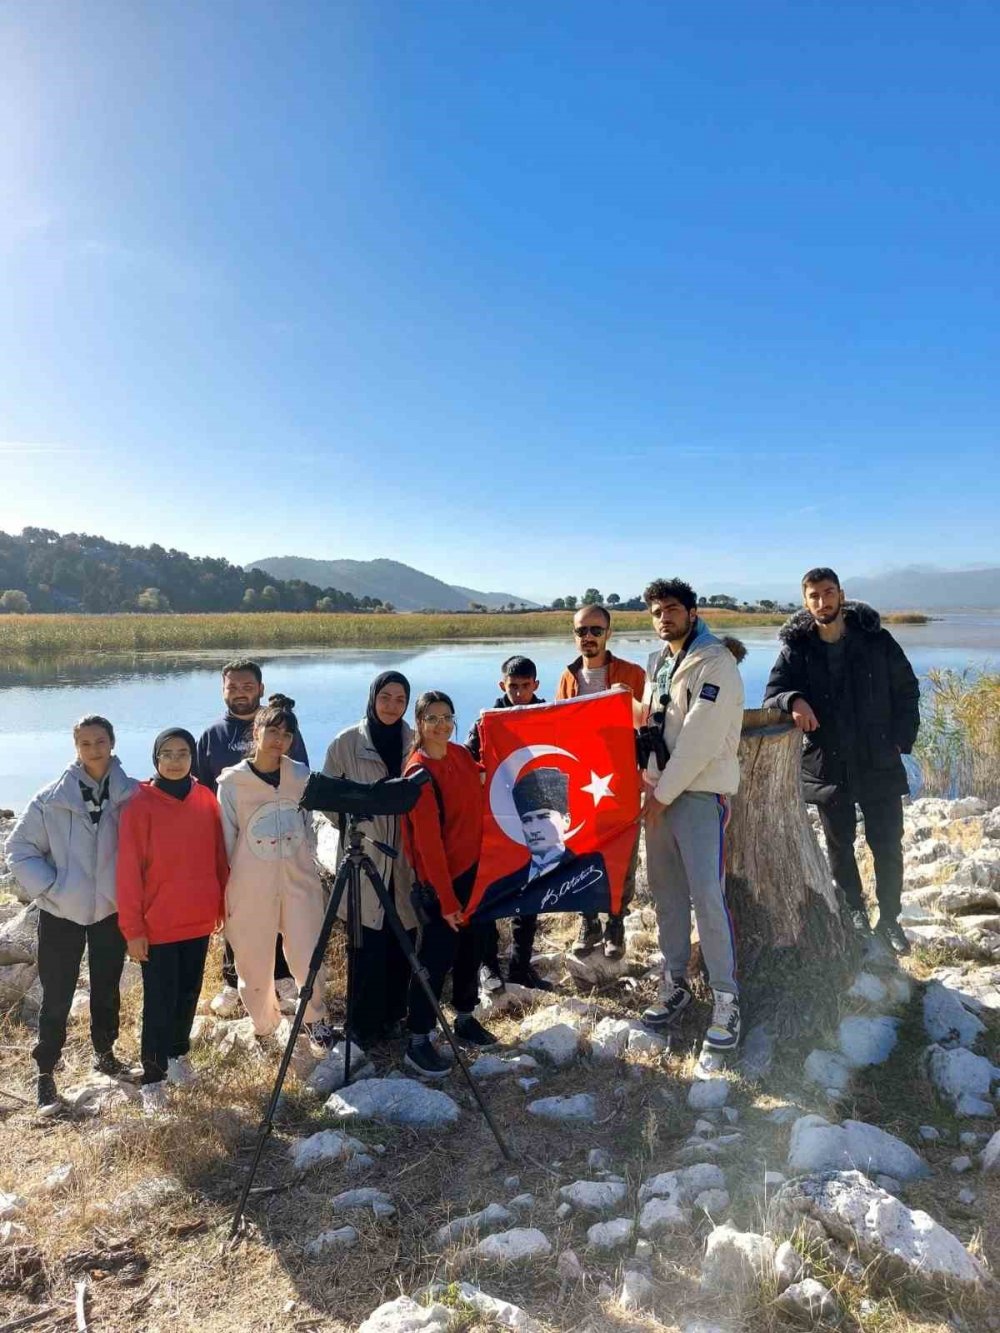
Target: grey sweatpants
{"x": 685, "y": 862}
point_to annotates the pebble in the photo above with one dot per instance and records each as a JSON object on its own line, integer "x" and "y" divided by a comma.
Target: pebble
{"x": 929, "y": 1134}
{"x": 708, "y": 1093}
{"x": 606, "y": 1237}
{"x": 967, "y": 1197}
{"x": 568, "y": 1267}
{"x": 968, "y": 1139}
{"x": 512, "y": 1182}
{"x": 599, "y": 1160}
{"x": 581, "y": 1106}
{"x": 341, "y": 1238}
{"x": 522, "y": 1203}
{"x": 563, "y": 1211}
{"x": 961, "y": 1164}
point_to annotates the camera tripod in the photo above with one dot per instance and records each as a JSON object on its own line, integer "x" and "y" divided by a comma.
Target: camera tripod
{"x": 348, "y": 880}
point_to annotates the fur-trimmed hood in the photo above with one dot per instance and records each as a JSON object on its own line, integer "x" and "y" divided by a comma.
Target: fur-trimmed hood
{"x": 858, "y": 615}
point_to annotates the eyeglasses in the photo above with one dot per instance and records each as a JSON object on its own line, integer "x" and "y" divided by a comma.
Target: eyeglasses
{"x": 174, "y": 756}
{"x": 582, "y": 631}
{"x": 437, "y": 719}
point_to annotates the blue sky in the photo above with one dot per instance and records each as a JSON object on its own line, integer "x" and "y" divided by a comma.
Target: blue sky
{"x": 530, "y": 295}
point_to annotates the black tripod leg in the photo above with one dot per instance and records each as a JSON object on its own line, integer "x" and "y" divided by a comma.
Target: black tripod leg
{"x": 353, "y": 927}
{"x": 305, "y": 995}
{"x": 420, "y": 972}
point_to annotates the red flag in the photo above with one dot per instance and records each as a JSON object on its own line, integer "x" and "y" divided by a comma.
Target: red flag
{"x": 561, "y": 809}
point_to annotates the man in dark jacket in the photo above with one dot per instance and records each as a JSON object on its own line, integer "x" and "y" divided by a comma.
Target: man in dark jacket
{"x": 852, "y": 693}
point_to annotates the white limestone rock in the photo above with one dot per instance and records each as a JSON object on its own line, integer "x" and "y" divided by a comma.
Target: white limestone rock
{"x": 818, "y": 1145}
{"x": 947, "y": 1020}
{"x": 365, "y": 1200}
{"x": 557, "y": 1043}
{"x": 788, "y": 1265}
{"x": 517, "y": 1246}
{"x": 569, "y": 1267}
{"x": 494, "y": 1217}
{"x": 593, "y": 1196}
{"x": 958, "y": 899}
{"x": 712, "y": 1202}
{"x": 394, "y": 1101}
{"x": 866, "y": 1041}
{"x": 11, "y": 1205}
{"x": 926, "y": 851}
{"x": 708, "y": 1094}
{"x": 609, "y": 1039}
{"x": 608, "y": 1237}
{"x": 643, "y": 1042}
{"x": 636, "y": 1291}
{"x": 990, "y": 1159}
{"x": 328, "y": 1145}
{"x": 328, "y": 1075}
{"x": 489, "y": 1065}
{"x": 581, "y": 1107}
{"x": 868, "y": 988}
{"x": 962, "y": 1078}
{"x": 328, "y": 1242}
{"x": 598, "y": 1160}
{"x": 19, "y": 938}
{"x": 659, "y": 1216}
{"x": 856, "y": 1212}
{"x": 809, "y": 1302}
{"x": 496, "y": 1311}
{"x": 404, "y": 1315}
{"x": 522, "y": 1203}
{"x": 828, "y": 1069}
{"x": 59, "y": 1180}
{"x": 736, "y": 1263}
{"x": 979, "y": 987}
{"x": 595, "y": 970}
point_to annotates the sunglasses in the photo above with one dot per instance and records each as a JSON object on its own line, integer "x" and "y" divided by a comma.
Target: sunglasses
{"x": 582, "y": 631}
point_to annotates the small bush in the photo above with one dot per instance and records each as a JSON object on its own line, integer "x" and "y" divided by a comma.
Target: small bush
{"x": 959, "y": 742}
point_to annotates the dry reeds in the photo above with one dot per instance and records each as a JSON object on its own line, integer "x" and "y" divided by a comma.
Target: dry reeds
{"x": 959, "y": 742}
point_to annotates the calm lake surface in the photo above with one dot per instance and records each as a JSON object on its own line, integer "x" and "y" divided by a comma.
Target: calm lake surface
{"x": 142, "y": 695}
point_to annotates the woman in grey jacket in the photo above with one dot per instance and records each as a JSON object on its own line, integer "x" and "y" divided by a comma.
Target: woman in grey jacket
{"x": 371, "y": 750}
{"x": 62, "y": 852}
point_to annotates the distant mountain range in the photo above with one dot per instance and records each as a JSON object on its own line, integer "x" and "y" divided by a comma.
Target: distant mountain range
{"x": 926, "y": 588}
{"x": 406, "y": 588}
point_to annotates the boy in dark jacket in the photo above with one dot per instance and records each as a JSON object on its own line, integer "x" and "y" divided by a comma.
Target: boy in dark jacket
{"x": 852, "y": 693}
{"x": 518, "y": 683}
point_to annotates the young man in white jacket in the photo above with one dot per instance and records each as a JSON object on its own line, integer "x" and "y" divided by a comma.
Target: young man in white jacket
{"x": 694, "y": 695}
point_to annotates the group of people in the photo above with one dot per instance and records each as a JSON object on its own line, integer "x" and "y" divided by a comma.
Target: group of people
{"x": 216, "y": 840}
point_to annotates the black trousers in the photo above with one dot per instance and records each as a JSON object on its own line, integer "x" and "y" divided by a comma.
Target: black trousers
{"x": 229, "y": 975}
{"x": 60, "y": 952}
{"x": 522, "y": 932}
{"x": 381, "y": 981}
{"x": 883, "y": 834}
{"x": 442, "y": 950}
{"x": 171, "y": 984}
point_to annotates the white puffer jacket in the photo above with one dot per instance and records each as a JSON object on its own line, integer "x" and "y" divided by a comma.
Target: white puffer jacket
{"x": 702, "y": 719}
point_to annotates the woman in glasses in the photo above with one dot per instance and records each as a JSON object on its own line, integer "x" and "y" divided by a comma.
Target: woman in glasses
{"x": 373, "y": 749}
{"x": 442, "y": 835}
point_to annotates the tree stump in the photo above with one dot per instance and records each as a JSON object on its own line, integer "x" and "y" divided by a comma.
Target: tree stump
{"x": 795, "y": 944}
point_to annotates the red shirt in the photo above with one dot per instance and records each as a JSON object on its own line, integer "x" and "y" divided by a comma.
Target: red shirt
{"x": 172, "y": 866}
{"x": 439, "y": 854}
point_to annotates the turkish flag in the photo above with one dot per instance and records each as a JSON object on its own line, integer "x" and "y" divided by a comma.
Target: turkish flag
{"x": 561, "y": 813}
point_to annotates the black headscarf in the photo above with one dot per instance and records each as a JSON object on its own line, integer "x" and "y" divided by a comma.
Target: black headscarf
{"x": 387, "y": 739}
{"x": 176, "y": 787}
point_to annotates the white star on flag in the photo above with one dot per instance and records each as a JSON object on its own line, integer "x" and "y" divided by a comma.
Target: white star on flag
{"x": 599, "y": 787}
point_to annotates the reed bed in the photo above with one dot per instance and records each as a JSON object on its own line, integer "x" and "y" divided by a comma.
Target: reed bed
{"x": 959, "y": 742}
{"x": 34, "y": 636}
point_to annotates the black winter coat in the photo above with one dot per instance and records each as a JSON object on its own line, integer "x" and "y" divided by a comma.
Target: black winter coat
{"x": 474, "y": 740}
{"x": 861, "y": 735}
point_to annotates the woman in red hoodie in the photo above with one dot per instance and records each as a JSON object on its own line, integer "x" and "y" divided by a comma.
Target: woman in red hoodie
{"x": 442, "y": 834}
{"x": 171, "y": 879}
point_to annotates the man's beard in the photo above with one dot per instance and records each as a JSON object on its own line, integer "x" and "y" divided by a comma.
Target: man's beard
{"x": 826, "y": 617}
{"x": 243, "y": 710}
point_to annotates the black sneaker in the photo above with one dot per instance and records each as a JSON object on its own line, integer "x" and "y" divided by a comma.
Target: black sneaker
{"x": 614, "y": 937}
{"x": 588, "y": 937}
{"x": 321, "y": 1035}
{"x": 675, "y": 996}
{"x": 49, "y": 1101}
{"x": 724, "y": 1030}
{"x": 469, "y": 1029}
{"x": 491, "y": 980}
{"x": 859, "y": 920}
{"x": 107, "y": 1063}
{"x": 425, "y": 1059}
{"x": 893, "y": 934}
{"x": 523, "y": 974}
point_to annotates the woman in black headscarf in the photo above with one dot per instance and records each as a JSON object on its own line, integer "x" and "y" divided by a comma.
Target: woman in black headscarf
{"x": 376, "y": 748}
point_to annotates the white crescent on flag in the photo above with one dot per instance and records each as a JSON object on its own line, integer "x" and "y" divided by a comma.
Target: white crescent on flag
{"x": 502, "y": 786}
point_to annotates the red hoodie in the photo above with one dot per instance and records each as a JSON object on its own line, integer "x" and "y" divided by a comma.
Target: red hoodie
{"x": 441, "y": 851}
{"x": 172, "y": 866}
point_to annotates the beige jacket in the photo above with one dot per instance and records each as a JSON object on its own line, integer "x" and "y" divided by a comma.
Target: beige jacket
{"x": 351, "y": 754}
{"x": 269, "y": 840}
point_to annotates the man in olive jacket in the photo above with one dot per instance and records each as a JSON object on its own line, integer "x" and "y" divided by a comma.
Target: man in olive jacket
{"x": 852, "y": 693}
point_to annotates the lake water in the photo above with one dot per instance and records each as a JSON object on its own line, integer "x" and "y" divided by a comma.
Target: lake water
{"x": 143, "y": 695}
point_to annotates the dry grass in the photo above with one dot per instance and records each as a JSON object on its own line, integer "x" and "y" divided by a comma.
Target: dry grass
{"x": 195, "y": 1282}
{"x": 959, "y": 742}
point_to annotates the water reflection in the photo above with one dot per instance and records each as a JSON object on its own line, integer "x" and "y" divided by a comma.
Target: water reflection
{"x": 39, "y": 701}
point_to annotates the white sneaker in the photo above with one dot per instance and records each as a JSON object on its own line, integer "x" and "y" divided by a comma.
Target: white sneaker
{"x": 288, "y": 994}
{"x": 179, "y": 1072}
{"x": 154, "y": 1098}
{"x": 227, "y": 1003}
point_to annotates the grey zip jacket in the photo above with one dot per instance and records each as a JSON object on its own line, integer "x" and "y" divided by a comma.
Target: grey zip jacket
{"x": 62, "y": 861}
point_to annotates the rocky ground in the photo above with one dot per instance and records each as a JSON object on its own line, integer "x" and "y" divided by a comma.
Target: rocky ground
{"x": 846, "y": 1178}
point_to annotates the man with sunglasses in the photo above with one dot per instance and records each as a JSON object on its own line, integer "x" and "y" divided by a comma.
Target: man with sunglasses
{"x": 597, "y": 669}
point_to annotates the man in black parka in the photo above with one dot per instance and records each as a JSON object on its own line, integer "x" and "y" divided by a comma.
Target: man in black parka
{"x": 852, "y": 693}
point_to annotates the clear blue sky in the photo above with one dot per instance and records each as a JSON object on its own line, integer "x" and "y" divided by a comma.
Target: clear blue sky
{"x": 530, "y": 295}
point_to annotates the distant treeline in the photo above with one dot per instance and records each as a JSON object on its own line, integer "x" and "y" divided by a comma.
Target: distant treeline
{"x": 47, "y": 571}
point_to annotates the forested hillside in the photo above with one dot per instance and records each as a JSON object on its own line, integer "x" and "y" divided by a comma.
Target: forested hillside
{"x": 42, "y": 570}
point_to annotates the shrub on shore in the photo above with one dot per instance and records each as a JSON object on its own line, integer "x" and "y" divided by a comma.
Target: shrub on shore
{"x": 959, "y": 743}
